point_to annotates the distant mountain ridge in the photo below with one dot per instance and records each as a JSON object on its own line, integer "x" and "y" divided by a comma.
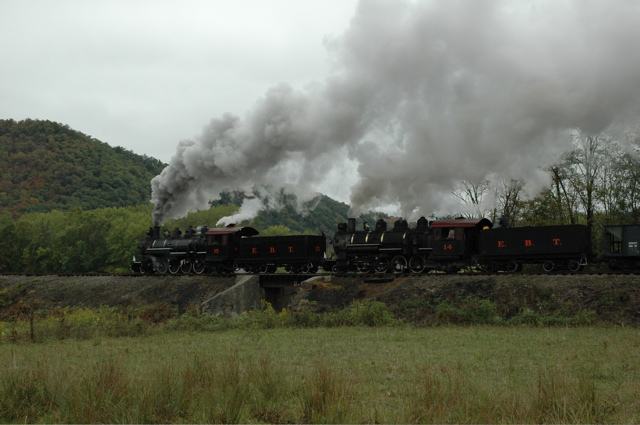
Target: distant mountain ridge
{"x": 45, "y": 165}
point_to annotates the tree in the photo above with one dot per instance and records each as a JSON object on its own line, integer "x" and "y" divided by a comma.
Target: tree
{"x": 509, "y": 202}
{"x": 9, "y": 252}
{"x": 564, "y": 201}
{"x": 472, "y": 194}
{"x": 587, "y": 161}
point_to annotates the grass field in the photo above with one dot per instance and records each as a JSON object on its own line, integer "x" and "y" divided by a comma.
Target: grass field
{"x": 329, "y": 375}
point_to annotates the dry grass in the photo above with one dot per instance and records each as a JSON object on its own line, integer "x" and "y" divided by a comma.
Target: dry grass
{"x": 340, "y": 375}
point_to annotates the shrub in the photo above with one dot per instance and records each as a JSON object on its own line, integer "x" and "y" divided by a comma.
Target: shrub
{"x": 368, "y": 313}
{"x": 305, "y": 317}
{"x": 158, "y": 313}
{"x": 469, "y": 310}
{"x": 264, "y": 318}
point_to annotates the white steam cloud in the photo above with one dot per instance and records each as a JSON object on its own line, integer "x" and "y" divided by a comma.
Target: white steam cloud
{"x": 425, "y": 94}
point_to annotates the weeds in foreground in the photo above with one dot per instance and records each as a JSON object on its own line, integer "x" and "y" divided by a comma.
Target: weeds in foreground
{"x": 86, "y": 323}
{"x": 346, "y": 375}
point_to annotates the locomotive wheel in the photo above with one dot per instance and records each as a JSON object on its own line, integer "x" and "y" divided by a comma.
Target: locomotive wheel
{"x": 548, "y": 266}
{"x": 185, "y": 266}
{"x": 198, "y": 266}
{"x": 513, "y": 267}
{"x": 416, "y": 264}
{"x": 363, "y": 267}
{"x": 383, "y": 266}
{"x": 174, "y": 267}
{"x": 398, "y": 264}
{"x": 574, "y": 266}
{"x": 263, "y": 269}
{"x": 288, "y": 268}
{"x": 163, "y": 266}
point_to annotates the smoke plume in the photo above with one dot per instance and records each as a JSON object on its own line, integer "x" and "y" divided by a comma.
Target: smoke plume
{"x": 423, "y": 95}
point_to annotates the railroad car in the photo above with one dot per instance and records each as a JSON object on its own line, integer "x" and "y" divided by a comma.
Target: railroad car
{"x": 296, "y": 253}
{"x": 621, "y": 247}
{"x": 555, "y": 247}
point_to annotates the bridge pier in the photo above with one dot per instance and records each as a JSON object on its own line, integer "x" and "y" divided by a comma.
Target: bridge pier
{"x": 249, "y": 290}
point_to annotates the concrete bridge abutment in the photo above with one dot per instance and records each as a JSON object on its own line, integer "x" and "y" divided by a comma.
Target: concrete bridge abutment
{"x": 249, "y": 290}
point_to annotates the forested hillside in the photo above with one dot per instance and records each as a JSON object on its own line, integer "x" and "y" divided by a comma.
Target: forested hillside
{"x": 45, "y": 166}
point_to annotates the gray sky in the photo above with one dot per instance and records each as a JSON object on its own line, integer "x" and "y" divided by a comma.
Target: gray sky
{"x": 146, "y": 74}
{"x": 379, "y": 103}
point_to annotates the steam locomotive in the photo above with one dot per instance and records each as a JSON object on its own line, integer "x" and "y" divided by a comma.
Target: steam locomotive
{"x": 442, "y": 245}
{"x": 225, "y": 250}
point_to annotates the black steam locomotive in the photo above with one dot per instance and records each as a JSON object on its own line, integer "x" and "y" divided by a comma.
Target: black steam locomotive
{"x": 441, "y": 245}
{"x": 225, "y": 250}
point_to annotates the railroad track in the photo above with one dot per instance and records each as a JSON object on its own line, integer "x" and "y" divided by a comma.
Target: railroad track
{"x": 368, "y": 276}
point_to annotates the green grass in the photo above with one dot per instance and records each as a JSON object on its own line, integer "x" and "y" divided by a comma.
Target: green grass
{"x": 329, "y": 375}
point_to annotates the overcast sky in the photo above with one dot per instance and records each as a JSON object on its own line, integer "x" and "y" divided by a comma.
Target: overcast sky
{"x": 376, "y": 103}
{"x": 146, "y": 74}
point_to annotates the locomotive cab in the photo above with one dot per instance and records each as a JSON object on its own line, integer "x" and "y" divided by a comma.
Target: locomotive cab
{"x": 456, "y": 242}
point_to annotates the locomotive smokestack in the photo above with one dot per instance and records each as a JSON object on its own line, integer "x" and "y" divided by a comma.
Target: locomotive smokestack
{"x": 351, "y": 224}
{"x": 156, "y": 232}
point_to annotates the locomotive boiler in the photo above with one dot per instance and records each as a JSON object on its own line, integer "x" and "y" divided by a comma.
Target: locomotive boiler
{"x": 381, "y": 250}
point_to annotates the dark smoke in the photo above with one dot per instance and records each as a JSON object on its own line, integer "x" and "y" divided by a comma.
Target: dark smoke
{"x": 423, "y": 95}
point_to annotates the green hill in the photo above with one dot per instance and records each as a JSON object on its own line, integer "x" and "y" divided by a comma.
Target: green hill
{"x": 45, "y": 165}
